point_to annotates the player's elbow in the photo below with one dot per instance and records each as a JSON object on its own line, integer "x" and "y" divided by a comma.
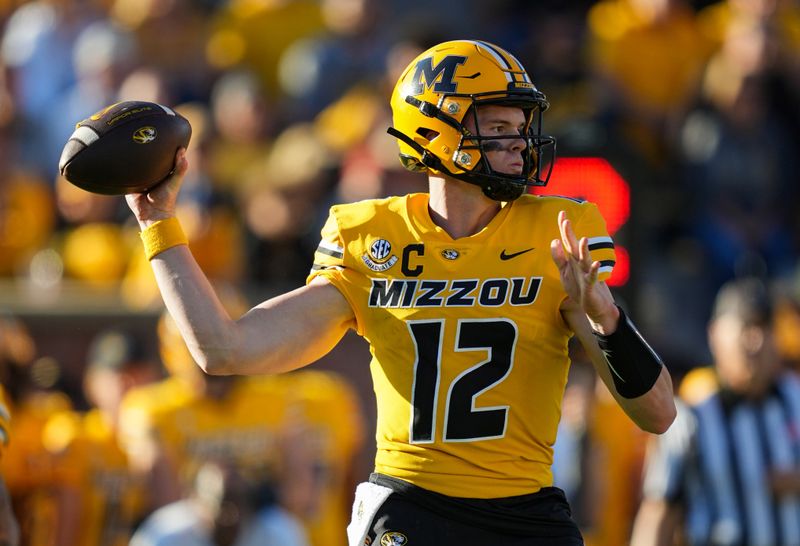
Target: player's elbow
{"x": 214, "y": 359}
{"x": 661, "y": 420}
{"x": 661, "y": 426}
{"x": 214, "y": 363}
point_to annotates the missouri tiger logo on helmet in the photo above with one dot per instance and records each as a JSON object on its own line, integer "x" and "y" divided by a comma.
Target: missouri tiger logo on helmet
{"x": 436, "y": 92}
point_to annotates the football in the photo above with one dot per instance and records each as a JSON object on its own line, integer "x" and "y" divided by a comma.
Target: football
{"x": 128, "y": 147}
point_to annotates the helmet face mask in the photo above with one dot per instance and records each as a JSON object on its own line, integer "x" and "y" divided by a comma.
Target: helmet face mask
{"x": 446, "y": 84}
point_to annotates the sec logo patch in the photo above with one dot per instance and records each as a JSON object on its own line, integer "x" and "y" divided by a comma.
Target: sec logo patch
{"x": 393, "y": 538}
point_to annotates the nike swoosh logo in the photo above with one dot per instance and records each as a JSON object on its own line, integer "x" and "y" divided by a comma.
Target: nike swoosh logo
{"x": 504, "y": 256}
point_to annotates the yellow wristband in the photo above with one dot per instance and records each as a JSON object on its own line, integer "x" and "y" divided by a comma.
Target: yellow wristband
{"x": 162, "y": 235}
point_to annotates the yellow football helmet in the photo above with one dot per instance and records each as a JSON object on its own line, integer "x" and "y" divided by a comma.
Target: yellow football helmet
{"x": 434, "y": 95}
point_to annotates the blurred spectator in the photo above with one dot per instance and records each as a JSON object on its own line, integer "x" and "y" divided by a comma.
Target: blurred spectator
{"x": 147, "y": 83}
{"x": 557, "y": 48}
{"x": 716, "y": 18}
{"x": 222, "y": 509}
{"x": 143, "y": 409}
{"x": 255, "y": 33}
{"x": 787, "y": 320}
{"x": 27, "y": 466}
{"x": 644, "y": 93}
{"x": 327, "y": 408}
{"x": 102, "y": 55}
{"x": 739, "y": 159}
{"x": 314, "y": 71}
{"x": 171, "y": 37}
{"x": 728, "y": 470}
{"x": 280, "y": 206}
{"x": 94, "y": 246}
{"x": 728, "y": 208}
{"x": 37, "y": 48}
{"x": 27, "y": 218}
{"x": 280, "y": 431}
{"x": 243, "y": 131}
{"x": 99, "y": 499}
{"x": 9, "y": 528}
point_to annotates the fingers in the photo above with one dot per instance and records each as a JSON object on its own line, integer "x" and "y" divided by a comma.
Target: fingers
{"x": 594, "y": 273}
{"x": 571, "y": 245}
{"x": 574, "y": 248}
{"x": 558, "y": 254}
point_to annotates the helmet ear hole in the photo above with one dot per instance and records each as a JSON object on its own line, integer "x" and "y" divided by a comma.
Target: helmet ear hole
{"x": 412, "y": 164}
{"x": 428, "y": 134}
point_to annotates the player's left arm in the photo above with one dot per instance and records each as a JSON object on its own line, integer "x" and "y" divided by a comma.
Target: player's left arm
{"x": 631, "y": 370}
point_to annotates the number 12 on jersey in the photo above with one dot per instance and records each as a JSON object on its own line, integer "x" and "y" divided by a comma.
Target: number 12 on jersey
{"x": 463, "y": 422}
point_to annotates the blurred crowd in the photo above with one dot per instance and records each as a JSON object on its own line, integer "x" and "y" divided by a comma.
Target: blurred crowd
{"x": 693, "y": 103}
{"x": 156, "y": 453}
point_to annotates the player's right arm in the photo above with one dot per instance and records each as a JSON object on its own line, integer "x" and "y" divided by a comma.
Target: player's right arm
{"x": 281, "y": 334}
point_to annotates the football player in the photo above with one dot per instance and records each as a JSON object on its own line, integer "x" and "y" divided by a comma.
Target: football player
{"x": 297, "y": 433}
{"x": 467, "y": 294}
{"x": 99, "y": 501}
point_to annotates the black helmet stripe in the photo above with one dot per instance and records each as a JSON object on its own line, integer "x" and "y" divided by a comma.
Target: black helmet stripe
{"x": 492, "y": 50}
{"x": 525, "y": 75}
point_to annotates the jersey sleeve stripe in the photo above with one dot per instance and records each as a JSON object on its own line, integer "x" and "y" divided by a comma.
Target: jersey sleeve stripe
{"x": 601, "y": 240}
{"x": 598, "y": 246}
{"x": 330, "y": 250}
{"x": 320, "y": 267}
{"x": 606, "y": 266}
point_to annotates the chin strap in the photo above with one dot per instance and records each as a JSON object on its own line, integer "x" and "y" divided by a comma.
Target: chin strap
{"x": 426, "y": 158}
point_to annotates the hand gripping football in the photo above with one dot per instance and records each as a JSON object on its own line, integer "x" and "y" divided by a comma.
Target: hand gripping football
{"x": 128, "y": 147}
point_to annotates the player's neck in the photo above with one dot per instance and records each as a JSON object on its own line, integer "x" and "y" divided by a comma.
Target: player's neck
{"x": 459, "y": 208}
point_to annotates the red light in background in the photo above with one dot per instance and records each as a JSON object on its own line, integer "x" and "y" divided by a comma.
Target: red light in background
{"x": 622, "y": 269}
{"x": 594, "y": 179}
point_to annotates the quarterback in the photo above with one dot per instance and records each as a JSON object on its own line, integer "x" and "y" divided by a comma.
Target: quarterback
{"x": 468, "y": 296}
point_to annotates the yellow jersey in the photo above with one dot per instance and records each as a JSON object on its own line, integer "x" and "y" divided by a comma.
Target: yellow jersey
{"x": 91, "y": 463}
{"x": 329, "y": 410}
{"x": 140, "y": 406}
{"x": 246, "y": 427}
{"x": 469, "y": 348}
{"x": 28, "y": 468}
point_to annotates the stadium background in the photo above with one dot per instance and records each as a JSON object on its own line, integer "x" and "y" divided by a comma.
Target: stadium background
{"x": 679, "y": 118}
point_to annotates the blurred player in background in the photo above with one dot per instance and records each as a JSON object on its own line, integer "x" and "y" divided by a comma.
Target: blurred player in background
{"x": 467, "y": 313}
{"x": 28, "y": 467}
{"x": 298, "y": 434}
{"x": 99, "y": 499}
{"x": 9, "y": 529}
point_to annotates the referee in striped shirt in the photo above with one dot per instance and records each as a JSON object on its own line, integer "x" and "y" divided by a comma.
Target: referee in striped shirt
{"x": 728, "y": 470}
